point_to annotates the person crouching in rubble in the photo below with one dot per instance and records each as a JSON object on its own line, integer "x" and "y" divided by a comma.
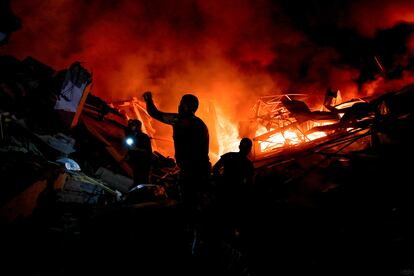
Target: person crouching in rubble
{"x": 139, "y": 155}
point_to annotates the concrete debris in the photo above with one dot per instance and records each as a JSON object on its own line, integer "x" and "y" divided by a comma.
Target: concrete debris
{"x": 80, "y": 189}
{"x": 60, "y": 142}
{"x": 116, "y": 181}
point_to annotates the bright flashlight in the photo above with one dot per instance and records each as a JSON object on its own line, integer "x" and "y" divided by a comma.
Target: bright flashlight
{"x": 129, "y": 141}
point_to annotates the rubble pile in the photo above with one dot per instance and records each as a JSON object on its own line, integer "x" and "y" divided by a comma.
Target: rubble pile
{"x": 315, "y": 198}
{"x": 331, "y": 202}
{"x": 55, "y": 136}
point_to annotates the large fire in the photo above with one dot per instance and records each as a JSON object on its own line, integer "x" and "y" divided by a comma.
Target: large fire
{"x": 227, "y": 134}
{"x": 267, "y": 139}
{"x": 173, "y": 46}
{"x": 286, "y": 138}
{"x": 231, "y": 52}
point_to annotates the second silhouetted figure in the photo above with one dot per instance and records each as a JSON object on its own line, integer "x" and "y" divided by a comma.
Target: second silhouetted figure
{"x": 234, "y": 176}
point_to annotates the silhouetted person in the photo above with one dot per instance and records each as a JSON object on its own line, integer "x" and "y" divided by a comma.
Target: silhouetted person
{"x": 191, "y": 145}
{"x": 234, "y": 173}
{"x": 139, "y": 155}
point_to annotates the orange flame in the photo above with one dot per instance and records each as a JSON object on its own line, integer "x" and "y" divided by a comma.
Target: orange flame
{"x": 287, "y": 138}
{"x": 227, "y": 134}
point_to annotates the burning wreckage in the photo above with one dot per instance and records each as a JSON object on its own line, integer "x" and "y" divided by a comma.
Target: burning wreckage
{"x": 48, "y": 116}
{"x": 300, "y": 152}
{"x": 61, "y": 149}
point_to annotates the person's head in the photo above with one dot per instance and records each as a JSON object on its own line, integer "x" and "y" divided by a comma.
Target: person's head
{"x": 188, "y": 104}
{"x": 134, "y": 125}
{"x": 245, "y": 146}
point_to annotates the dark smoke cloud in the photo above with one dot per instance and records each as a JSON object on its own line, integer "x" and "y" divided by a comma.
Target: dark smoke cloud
{"x": 361, "y": 32}
{"x": 227, "y": 51}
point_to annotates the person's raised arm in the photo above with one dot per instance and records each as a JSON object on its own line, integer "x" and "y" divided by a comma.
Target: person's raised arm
{"x": 167, "y": 118}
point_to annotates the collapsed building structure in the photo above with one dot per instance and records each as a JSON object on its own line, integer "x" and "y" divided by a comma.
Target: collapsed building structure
{"x": 61, "y": 148}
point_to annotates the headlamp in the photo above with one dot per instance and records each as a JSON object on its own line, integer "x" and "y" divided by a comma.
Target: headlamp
{"x": 129, "y": 141}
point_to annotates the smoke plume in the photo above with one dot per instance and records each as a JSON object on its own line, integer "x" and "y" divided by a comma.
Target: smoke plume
{"x": 227, "y": 52}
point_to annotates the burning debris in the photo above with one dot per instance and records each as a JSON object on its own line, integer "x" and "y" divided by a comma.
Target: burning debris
{"x": 285, "y": 121}
{"x": 365, "y": 128}
{"x": 325, "y": 158}
{"x": 60, "y": 116}
{"x": 333, "y": 184}
{"x": 71, "y": 143}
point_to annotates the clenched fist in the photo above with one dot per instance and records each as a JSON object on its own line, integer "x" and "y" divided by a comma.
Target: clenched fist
{"x": 147, "y": 96}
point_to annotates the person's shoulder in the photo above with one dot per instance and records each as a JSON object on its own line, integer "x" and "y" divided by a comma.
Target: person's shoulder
{"x": 143, "y": 135}
{"x": 197, "y": 119}
{"x": 230, "y": 155}
{"x": 227, "y": 154}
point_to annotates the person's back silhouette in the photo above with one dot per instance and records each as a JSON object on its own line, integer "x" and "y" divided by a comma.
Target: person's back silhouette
{"x": 234, "y": 176}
